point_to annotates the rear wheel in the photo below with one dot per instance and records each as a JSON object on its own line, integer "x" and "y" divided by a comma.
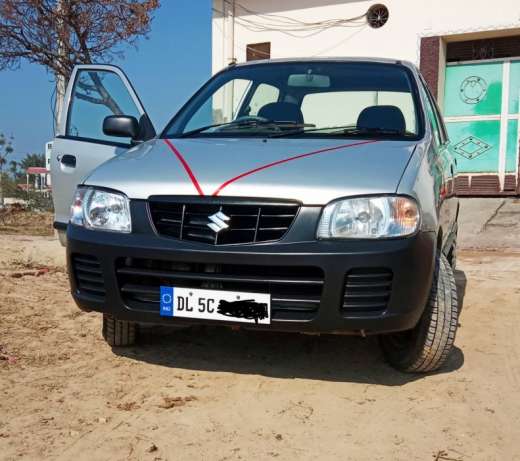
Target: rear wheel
{"x": 427, "y": 346}
{"x": 119, "y": 332}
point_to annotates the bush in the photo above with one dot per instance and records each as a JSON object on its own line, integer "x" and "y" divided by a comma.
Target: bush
{"x": 37, "y": 201}
{"x": 32, "y": 200}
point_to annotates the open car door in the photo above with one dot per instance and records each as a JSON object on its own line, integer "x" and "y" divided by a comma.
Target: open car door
{"x": 93, "y": 93}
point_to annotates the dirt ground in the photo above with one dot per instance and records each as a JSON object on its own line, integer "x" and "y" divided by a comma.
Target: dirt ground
{"x": 222, "y": 395}
{"x": 16, "y": 220}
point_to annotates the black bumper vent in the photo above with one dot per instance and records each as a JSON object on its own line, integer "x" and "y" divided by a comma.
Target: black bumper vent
{"x": 295, "y": 291}
{"x": 246, "y": 222}
{"x": 367, "y": 290}
{"x": 89, "y": 276}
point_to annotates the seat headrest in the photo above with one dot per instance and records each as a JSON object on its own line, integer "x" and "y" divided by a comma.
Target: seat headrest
{"x": 381, "y": 117}
{"x": 282, "y": 112}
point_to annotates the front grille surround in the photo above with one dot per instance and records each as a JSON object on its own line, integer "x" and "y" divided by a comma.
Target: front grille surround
{"x": 249, "y": 221}
{"x": 295, "y": 290}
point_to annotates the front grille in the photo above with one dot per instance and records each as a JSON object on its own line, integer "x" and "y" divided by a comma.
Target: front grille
{"x": 89, "y": 276}
{"x": 367, "y": 290}
{"x": 247, "y": 223}
{"x": 295, "y": 291}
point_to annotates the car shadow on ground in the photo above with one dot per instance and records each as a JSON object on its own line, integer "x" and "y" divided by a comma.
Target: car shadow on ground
{"x": 461, "y": 281}
{"x": 278, "y": 355}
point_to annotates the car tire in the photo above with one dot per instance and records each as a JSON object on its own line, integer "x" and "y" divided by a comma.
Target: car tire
{"x": 119, "y": 333}
{"x": 427, "y": 346}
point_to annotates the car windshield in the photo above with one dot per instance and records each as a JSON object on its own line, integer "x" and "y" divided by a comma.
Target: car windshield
{"x": 303, "y": 99}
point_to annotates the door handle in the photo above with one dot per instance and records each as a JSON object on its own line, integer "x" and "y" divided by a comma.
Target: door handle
{"x": 68, "y": 160}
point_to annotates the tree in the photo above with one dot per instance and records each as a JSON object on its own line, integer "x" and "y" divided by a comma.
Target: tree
{"x": 18, "y": 169}
{"x": 6, "y": 149}
{"x": 32, "y": 160}
{"x": 13, "y": 168}
{"x": 59, "y": 34}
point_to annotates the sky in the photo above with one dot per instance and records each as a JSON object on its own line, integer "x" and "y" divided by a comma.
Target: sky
{"x": 165, "y": 70}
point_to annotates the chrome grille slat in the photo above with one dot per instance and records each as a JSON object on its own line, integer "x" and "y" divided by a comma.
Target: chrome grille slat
{"x": 248, "y": 222}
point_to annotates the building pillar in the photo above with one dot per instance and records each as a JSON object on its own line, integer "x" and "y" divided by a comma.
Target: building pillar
{"x": 429, "y": 62}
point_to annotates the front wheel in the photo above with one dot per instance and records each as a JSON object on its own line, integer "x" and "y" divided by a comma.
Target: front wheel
{"x": 427, "y": 346}
{"x": 119, "y": 332}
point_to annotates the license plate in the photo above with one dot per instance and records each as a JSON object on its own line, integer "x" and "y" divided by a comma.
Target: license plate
{"x": 216, "y": 305}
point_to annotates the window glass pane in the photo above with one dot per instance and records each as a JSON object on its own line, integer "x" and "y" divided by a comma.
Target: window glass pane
{"x": 514, "y": 88}
{"x": 433, "y": 120}
{"x": 264, "y": 94}
{"x": 222, "y": 106}
{"x": 340, "y": 108}
{"x": 473, "y": 89}
{"x": 476, "y": 145}
{"x": 512, "y": 146}
{"x": 312, "y": 96}
{"x": 96, "y": 95}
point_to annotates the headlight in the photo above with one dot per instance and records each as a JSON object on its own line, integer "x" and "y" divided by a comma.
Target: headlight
{"x": 100, "y": 209}
{"x": 369, "y": 218}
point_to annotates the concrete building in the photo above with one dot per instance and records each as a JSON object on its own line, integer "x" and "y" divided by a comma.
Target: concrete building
{"x": 467, "y": 50}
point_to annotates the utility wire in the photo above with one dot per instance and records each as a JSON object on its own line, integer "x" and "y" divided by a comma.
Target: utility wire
{"x": 293, "y": 22}
{"x": 290, "y": 26}
{"x": 242, "y": 45}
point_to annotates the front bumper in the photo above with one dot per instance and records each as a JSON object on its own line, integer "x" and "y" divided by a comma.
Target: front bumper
{"x": 409, "y": 262}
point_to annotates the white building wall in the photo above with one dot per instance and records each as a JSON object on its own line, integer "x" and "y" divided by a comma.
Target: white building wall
{"x": 399, "y": 38}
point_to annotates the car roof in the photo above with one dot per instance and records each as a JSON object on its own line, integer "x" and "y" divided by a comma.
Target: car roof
{"x": 326, "y": 59}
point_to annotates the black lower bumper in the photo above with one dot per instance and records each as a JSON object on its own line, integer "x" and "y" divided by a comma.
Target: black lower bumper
{"x": 349, "y": 287}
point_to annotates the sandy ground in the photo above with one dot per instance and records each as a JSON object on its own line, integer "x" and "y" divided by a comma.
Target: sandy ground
{"x": 16, "y": 220}
{"x": 222, "y": 395}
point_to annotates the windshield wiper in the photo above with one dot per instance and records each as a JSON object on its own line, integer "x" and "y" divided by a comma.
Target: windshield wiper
{"x": 346, "y": 130}
{"x": 234, "y": 123}
{"x": 247, "y": 123}
{"x": 290, "y": 133}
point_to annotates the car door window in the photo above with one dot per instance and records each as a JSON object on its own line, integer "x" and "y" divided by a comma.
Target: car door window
{"x": 96, "y": 95}
{"x": 430, "y": 114}
{"x": 443, "y": 134}
{"x": 263, "y": 95}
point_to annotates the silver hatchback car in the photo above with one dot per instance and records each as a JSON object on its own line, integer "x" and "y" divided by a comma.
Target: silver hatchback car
{"x": 310, "y": 195}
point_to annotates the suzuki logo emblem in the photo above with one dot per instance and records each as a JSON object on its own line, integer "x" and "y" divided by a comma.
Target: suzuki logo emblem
{"x": 218, "y": 222}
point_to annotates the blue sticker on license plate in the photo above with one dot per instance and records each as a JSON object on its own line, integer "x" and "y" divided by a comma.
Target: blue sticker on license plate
{"x": 167, "y": 301}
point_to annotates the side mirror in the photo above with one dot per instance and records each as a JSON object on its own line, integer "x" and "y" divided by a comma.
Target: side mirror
{"x": 123, "y": 126}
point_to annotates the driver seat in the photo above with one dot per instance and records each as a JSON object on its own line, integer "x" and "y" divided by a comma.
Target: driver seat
{"x": 282, "y": 112}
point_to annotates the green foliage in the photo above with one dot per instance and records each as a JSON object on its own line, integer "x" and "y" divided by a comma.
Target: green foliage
{"x": 6, "y": 149}
{"x": 36, "y": 201}
{"x": 12, "y": 175}
{"x": 18, "y": 169}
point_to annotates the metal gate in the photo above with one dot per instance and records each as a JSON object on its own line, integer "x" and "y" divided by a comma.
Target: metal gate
{"x": 481, "y": 109}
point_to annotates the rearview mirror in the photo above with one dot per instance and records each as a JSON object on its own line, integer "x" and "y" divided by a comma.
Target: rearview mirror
{"x": 309, "y": 80}
{"x": 123, "y": 126}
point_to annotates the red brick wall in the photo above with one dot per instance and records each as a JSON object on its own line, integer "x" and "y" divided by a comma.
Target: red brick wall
{"x": 430, "y": 48}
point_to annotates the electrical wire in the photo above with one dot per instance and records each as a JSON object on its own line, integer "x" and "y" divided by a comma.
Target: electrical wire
{"x": 341, "y": 42}
{"x": 240, "y": 45}
{"x": 292, "y": 23}
{"x": 287, "y": 25}
{"x": 281, "y": 18}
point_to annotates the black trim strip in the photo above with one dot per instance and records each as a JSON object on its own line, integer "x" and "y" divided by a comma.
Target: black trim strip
{"x": 96, "y": 141}
{"x": 61, "y": 226}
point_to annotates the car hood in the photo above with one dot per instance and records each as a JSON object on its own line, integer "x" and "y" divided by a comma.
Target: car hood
{"x": 313, "y": 171}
